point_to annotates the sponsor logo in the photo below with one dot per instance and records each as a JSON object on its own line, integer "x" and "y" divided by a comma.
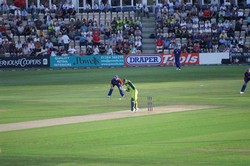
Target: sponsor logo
{"x": 143, "y": 59}
{"x": 20, "y": 62}
{"x": 184, "y": 59}
{"x": 93, "y": 61}
{"x": 45, "y": 61}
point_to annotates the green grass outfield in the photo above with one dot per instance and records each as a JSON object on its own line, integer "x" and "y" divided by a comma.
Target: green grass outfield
{"x": 219, "y": 136}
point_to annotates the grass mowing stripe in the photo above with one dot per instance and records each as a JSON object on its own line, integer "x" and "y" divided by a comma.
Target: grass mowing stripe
{"x": 218, "y": 136}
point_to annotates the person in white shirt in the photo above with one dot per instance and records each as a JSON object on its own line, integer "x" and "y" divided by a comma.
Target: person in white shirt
{"x": 17, "y": 13}
{"x": 88, "y": 7}
{"x": 96, "y": 50}
{"x": 110, "y": 51}
{"x": 133, "y": 50}
{"x": 96, "y": 7}
{"x": 31, "y": 45}
{"x": 138, "y": 44}
{"x": 66, "y": 41}
{"x": 72, "y": 50}
{"x": 19, "y": 47}
{"x": 52, "y": 53}
{"x": 49, "y": 44}
{"x": 26, "y": 50}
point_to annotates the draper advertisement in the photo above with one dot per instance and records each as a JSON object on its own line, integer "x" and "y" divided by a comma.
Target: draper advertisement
{"x": 25, "y": 62}
{"x": 159, "y": 59}
{"x": 143, "y": 60}
{"x": 87, "y": 61}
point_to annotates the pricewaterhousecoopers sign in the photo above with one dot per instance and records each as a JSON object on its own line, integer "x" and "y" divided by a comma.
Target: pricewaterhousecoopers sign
{"x": 25, "y": 62}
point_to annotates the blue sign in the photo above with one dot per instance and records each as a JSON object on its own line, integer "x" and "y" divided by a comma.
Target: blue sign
{"x": 87, "y": 61}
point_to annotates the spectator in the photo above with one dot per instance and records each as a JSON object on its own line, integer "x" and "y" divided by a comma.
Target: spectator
{"x": 88, "y": 8}
{"x": 89, "y": 50}
{"x": 119, "y": 49}
{"x": 26, "y": 50}
{"x": 138, "y": 44}
{"x": 38, "y": 46}
{"x": 89, "y": 39}
{"x": 223, "y": 38}
{"x": 196, "y": 47}
{"x": 72, "y": 50}
{"x": 71, "y": 9}
{"x": 64, "y": 53}
{"x": 230, "y": 32}
{"x": 190, "y": 46}
{"x": 96, "y": 50}
{"x": 241, "y": 43}
{"x": 38, "y": 23}
{"x": 159, "y": 45}
{"x": 48, "y": 19}
{"x": 138, "y": 8}
{"x": 17, "y": 13}
{"x": 24, "y": 14}
{"x": 102, "y": 48}
{"x": 107, "y": 7}
{"x": 110, "y": 50}
{"x": 95, "y": 7}
{"x": 206, "y": 13}
{"x": 214, "y": 10}
{"x": 20, "y": 30}
{"x": 83, "y": 39}
{"x": 66, "y": 41}
{"x": 48, "y": 44}
{"x": 19, "y": 48}
{"x": 238, "y": 25}
{"x": 101, "y": 7}
{"x": 133, "y": 49}
{"x": 145, "y": 11}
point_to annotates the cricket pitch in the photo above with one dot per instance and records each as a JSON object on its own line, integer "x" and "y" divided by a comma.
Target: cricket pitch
{"x": 101, "y": 116}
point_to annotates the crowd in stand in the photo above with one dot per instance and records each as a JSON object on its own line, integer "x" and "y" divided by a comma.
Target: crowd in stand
{"x": 52, "y": 35}
{"x": 198, "y": 28}
{"x": 201, "y": 28}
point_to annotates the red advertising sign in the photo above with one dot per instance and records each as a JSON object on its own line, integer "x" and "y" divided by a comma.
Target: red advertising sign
{"x": 160, "y": 59}
{"x": 187, "y": 58}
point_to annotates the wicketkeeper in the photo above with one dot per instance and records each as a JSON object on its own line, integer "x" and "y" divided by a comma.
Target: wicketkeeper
{"x": 246, "y": 80}
{"x": 116, "y": 81}
{"x": 130, "y": 87}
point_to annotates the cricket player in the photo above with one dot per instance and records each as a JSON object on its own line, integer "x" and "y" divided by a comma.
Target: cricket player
{"x": 177, "y": 55}
{"x": 130, "y": 87}
{"x": 246, "y": 79}
{"x": 116, "y": 81}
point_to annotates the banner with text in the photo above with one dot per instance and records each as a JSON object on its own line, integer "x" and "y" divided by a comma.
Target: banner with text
{"x": 143, "y": 60}
{"x": 24, "y": 62}
{"x": 159, "y": 59}
{"x": 87, "y": 61}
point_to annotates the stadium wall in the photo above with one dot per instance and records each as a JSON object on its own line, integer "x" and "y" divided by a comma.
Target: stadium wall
{"x": 75, "y": 61}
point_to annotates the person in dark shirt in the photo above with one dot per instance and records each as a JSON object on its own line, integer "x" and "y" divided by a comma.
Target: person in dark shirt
{"x": 116, "y": 81}
{"x": 89, "y": 50}
{"x": 102, "y": 48}
{"x": 246, "y": 80}
{"x": 177, "y": 55}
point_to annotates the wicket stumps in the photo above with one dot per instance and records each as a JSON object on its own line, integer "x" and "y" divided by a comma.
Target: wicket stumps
{"x": 150, "y": 103}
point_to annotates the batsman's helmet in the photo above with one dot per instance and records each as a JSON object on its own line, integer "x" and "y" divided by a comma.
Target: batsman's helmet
{"x": 125, "y": 81}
